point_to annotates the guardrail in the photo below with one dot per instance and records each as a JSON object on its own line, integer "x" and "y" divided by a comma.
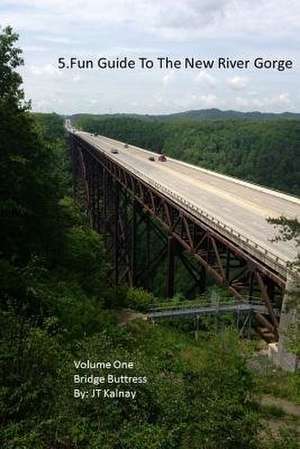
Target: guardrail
{"x": 259, "y": 251}
{"x": 260, "y": 187}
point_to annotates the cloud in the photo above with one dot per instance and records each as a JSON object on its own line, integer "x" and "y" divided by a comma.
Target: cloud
{"x": 237, "y": 82}
{"x": 196, "y": 101}
{"x": 281, "y": 100}
{"x": 168, "y": 77}
{"x": 44, "y": 70}
{"x": 178, "y": 28}
{"x": 206, "y": 79}
{"x": 171, "y": 19}
{"x": 242, "y": 103}
{"x": 59, "y": 40}
{"x": 208, "y": 101}
{"x": 34, "y": 48}
{"x": 76, "y": 78}
{"x": 276, "y": 103}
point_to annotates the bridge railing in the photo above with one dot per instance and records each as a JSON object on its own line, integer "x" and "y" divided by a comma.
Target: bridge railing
{"x": 222, "y": 305}
{"x": 263, "y": 253}
{"x": 216, "y": 173}
{"x": 279, "y": 264}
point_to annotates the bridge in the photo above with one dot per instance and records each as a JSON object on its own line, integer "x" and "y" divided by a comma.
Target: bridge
{"x": 178, "y": 311}
{"x": 213, "y": 224}
{"x": 240, "y": 313}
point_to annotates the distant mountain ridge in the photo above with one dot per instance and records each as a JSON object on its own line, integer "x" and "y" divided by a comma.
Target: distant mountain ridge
{"x": 217, "y": 114}
{"x": 202, "y": 114}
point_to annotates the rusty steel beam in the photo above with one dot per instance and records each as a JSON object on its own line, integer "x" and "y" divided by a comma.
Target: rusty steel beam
{"x": 246, "y": 277}
{"x": 170, "y": 287}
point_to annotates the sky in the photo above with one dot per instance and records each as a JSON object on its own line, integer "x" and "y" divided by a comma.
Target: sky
{"x": 203, "y": 29}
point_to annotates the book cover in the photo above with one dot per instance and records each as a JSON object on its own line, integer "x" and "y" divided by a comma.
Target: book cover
{"x": 149, "y": 258}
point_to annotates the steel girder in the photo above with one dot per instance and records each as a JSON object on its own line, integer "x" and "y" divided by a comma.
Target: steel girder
{"x": 109, "y": 189}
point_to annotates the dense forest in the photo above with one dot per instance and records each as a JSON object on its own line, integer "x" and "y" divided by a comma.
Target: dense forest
{"x": 57, "y": 306}
{"x": 263, "y": 152}
{"x": 199, "y": 115}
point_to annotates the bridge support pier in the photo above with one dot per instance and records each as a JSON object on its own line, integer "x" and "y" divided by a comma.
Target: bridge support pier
{"x": 171, "y": 259}
{"x": 134, "y": 241}
{"x": 116, "y": 237}
{"x": 280, "y": 352}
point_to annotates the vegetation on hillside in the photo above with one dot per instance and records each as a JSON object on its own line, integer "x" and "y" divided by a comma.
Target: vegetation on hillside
{"x": 57, "y": 307}
{"x": 198, "y": 115}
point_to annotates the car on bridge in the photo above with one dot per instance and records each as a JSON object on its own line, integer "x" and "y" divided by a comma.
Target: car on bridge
{"x": 162, "y": 158}
{"x": 114, "y": 151}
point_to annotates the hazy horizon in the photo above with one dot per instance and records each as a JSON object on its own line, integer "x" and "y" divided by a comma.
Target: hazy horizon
{"x": 184, "y": 111}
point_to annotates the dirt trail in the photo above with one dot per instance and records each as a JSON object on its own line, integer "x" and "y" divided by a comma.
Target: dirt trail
{"x": 125, "y": 315}
{"x": 288, "y": 407}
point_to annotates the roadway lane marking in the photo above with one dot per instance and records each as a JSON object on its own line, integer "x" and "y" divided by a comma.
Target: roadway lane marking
{"x": 290, "y": 209}
{"x": 202, "y": 185}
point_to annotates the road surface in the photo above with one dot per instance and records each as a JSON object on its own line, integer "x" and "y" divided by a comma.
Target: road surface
{"x": 239, "y": 205}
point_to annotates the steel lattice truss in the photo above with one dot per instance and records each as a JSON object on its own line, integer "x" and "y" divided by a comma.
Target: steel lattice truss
{"x": 119, "y": 203}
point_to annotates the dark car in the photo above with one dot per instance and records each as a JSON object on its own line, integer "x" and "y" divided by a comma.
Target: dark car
{"x": 125, "y": 145}
{"x": 151, "y": 158}
{"x": 114, "y": 151}
{"x": 162, "y": 158}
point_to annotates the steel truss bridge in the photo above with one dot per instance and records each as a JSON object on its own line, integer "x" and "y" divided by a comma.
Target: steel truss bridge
{"x": 136, "y": 203}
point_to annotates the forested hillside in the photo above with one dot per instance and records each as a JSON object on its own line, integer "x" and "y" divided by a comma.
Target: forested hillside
{"x": 58, "y": 305}
{"x": 264, "y": 152}
{"x": 217, "y": 114}
{"x": 199, "y": 115}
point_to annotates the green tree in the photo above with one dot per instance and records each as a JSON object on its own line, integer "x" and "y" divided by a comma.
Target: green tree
{"x": 11, "y": 92}
{"x": 29, "y": 187}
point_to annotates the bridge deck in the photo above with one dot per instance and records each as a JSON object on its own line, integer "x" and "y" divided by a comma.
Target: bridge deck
{"x": 239, "y": 205}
